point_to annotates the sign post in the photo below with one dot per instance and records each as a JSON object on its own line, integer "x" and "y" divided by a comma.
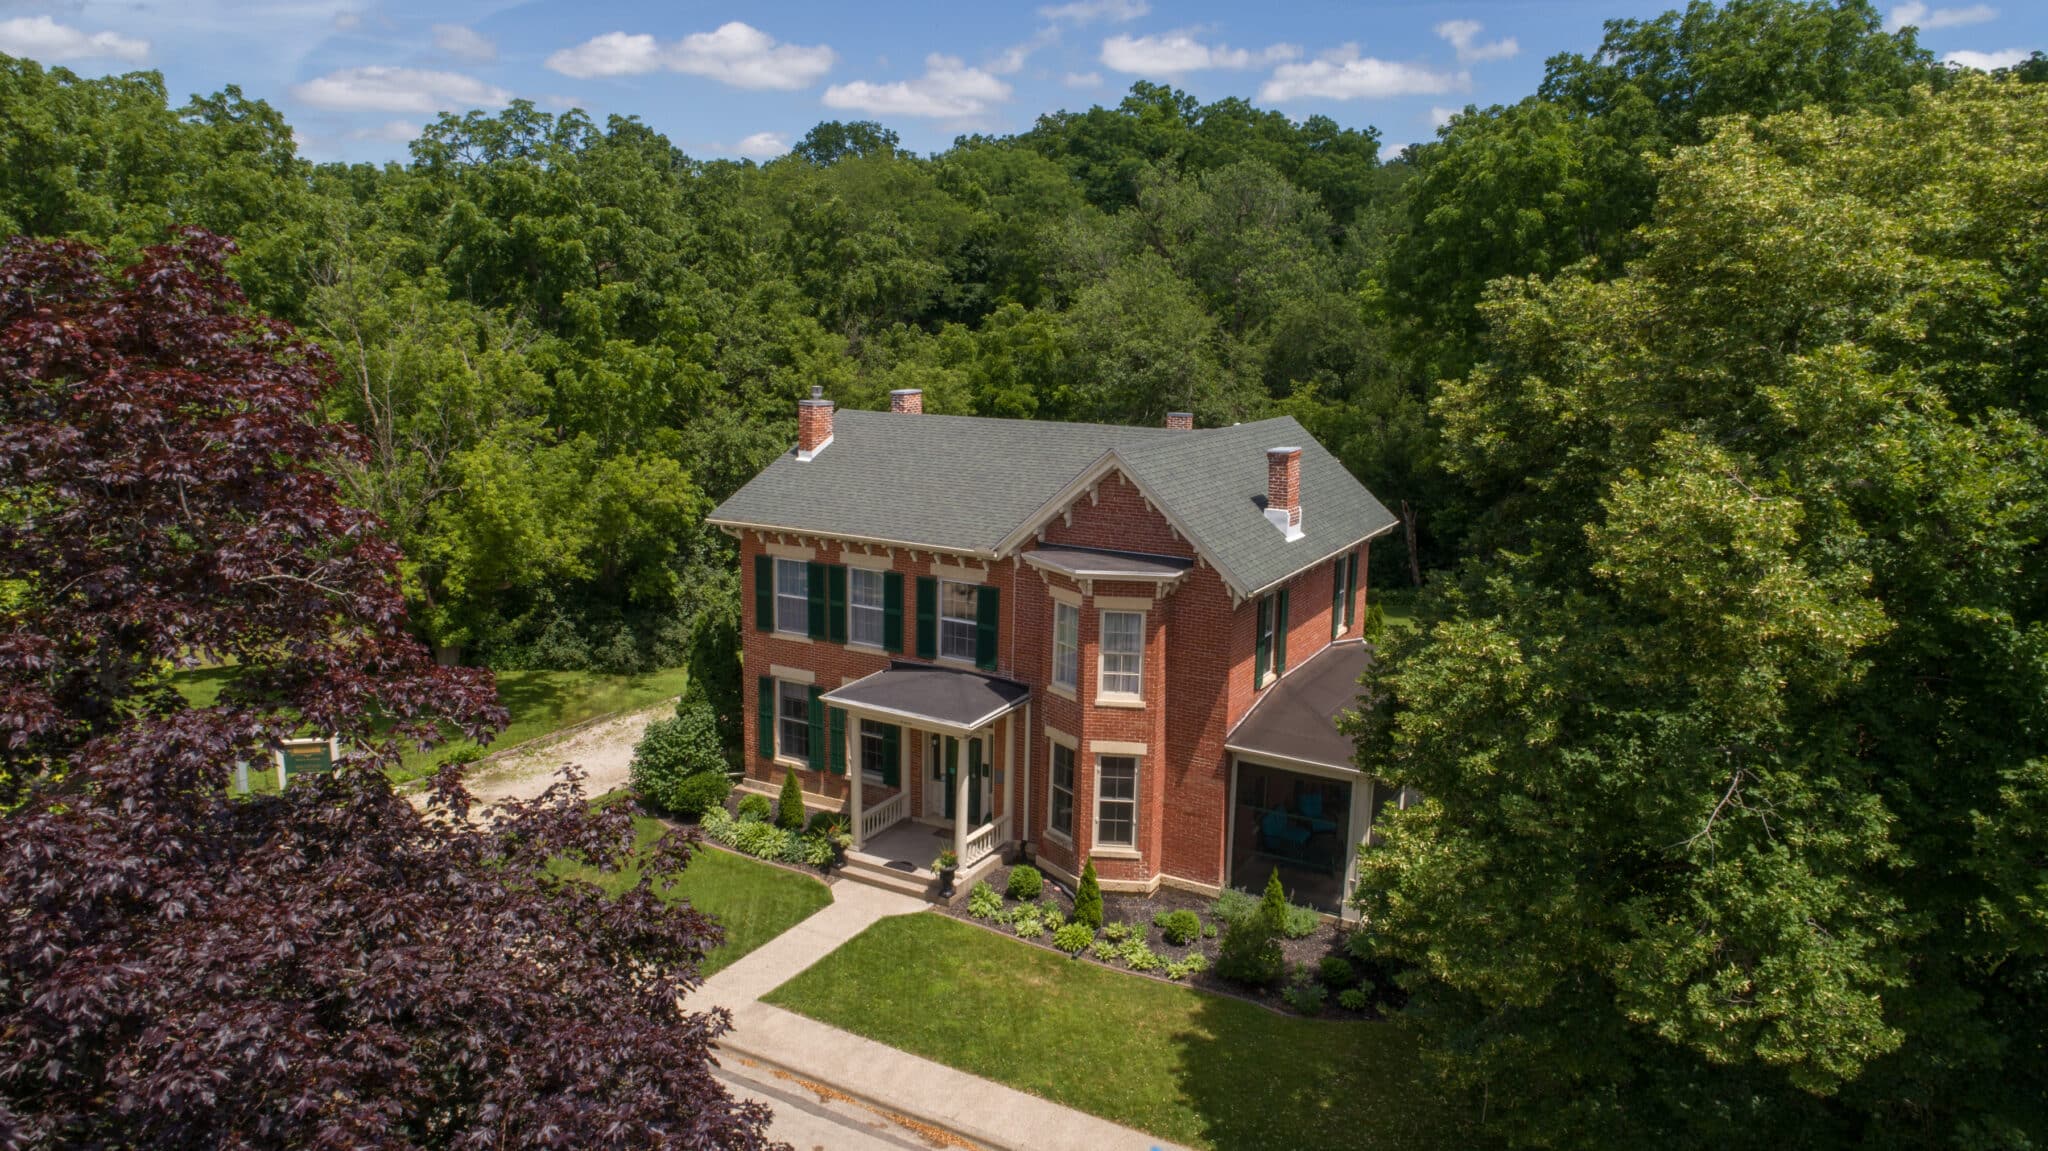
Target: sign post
{"x": 306, "y": 756}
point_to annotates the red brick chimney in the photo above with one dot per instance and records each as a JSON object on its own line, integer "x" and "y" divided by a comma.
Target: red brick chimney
{"x": 813, "y": 424}
{"x": 1283, "y": 490}
{"x": 1181, "y": 421}
{"x": 907, "y": 401}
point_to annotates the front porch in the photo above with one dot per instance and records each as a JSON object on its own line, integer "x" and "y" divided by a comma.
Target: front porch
{"x": 954, "y": 781}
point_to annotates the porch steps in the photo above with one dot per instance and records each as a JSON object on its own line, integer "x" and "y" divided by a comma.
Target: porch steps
{"x": 922, "y": 884}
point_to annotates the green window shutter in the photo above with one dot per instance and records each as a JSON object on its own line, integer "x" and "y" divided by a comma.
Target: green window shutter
{"x": 892, "y": 755}
{"x": 892, "y": 611}
{"x": 764, "y": 593}
{"x": 835, "y": 602}
{"x": 974, "y": 771}
{"x": 1262, "y": 656}
{"x": 986, "y": 614}
{"x": 764, "y": 741}
{"x": 838, "y": 742}
{"x": 1337, "y": 598}
{"x": 927, "y": 617}
{"x": 1280, "y": 634}
{"x": 1351, "y": 591}
{"x": 817, "y": 716}
{"x": 814, "y": 584}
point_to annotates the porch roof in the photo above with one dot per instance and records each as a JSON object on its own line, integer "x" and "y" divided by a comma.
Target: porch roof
{"x": 1101, "y": 563}
{"x": 948, "y": 699}
{"x": 1297, "y": 718}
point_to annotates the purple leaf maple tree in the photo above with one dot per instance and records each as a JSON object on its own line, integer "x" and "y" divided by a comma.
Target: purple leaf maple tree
{"x": 331, "y": 967}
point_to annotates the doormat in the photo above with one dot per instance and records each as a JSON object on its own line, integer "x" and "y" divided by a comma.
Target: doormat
{"x": 899, "y": 865}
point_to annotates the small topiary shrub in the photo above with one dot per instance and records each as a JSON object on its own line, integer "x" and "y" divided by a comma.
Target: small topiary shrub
{"x": 699, "y": 794}
{"x": 1306, "y": 996}
{"x": 789, "y": 806}
{"x": 1073, "y": 937}
{"x": 1178, "y": 927}
{"x": 1088, "y": 899}
{"x": 754, "y": 808}
{"x": 1336, "y": 971}
{"x": 1273, "y": 904}
{"x": 1025, "y": 882}
{"x": 1354, "y": 999}
{"x": 984, "y": 901}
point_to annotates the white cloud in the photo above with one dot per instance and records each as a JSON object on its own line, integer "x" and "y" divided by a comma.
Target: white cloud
{"x": 1343, "y": 74}
{"x": 385, "y": 89}
{"x": 396, "y": 131}
{"x": 1092, "y": 11}
{"x": 1172, "y": 53}
{"x": 1920, "y": 16}
{"x": 1464, "y": 36}
{"x": 1011, "y": 59}
{"x": 736, "y": 54}
{"x": 948, "y": 89}
{"x": 762, "y": 145}
{"x": 1082, "y": 79}
{"x": 1986, "y": 61}
{"x": 41, "y": 38}
{"x": 1439, "y": 116}
{"x": 465, "y": 42}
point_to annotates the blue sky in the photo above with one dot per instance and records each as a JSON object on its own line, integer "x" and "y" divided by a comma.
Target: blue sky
{"x": 358, "y": 77}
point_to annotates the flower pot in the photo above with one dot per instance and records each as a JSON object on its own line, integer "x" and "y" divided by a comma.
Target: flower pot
{"x": 946, "y": 881}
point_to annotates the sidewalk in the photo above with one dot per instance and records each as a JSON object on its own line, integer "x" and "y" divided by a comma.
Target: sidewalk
{"x": 924, "y": 1092}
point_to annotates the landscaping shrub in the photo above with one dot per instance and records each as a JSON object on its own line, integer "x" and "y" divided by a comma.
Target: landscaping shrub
{"x": 1054, "y": 917}
{"x": 1178, "y": 927}
{"x": 698, "y": 794}
{"x": 1249, "y": 953}
{"x": 1191, "y": 965}
{"x": 1300, "y": 922}
{"x": 1336, "y": 971}
{"x": 789, "y": 807}
{"x": 1138, "y": 956}
{"x": 1306, "y": 995}
{"x": 1073, "y": 937}
{"x": 1273, "y": 905}
{"x": 1115, "y": 932}
{"x": 673, "y": 752}
{"x": 984, "y": 901}
{"x": 1233, "y": 906}
{"x": 822, "y": 822}
{"x": 1028, "y": 926}
{"x": 1103, "y": 949}
{"x": 1354, "y": 999}
{"x": 1208, "y": 931}
{"x": 1025, "y": 882}
{"x": 1088, "y": 899}
{"x": 754, "y": 808}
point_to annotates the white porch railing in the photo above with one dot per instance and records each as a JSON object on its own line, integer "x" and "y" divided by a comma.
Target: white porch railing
{"x": 884, "y": 815}
{"x": 983, "y": 840}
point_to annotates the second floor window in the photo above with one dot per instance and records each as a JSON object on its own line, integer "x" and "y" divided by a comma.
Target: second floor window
{"x": 864, "y": 607}
{"x": 957, "y": 602}
{"x": 1123, "y": 645}
{"x": 1062, "y": 790}
{"x": 1066, "y": 645}
{"x": 793, "y": 596}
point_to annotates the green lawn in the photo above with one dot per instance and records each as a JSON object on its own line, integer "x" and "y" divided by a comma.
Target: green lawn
{"x": 540, "y": 702}
{"x": 754, "y": 901}
{"x": 1200, "y": 1069}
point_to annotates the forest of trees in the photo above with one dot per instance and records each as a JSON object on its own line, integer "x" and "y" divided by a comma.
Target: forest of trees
{"x": 1709, "y": 380}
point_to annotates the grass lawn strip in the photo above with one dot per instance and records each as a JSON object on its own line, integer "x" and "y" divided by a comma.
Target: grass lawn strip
{"x": 754, "y": 901}
{"x": 1195, "y": 1068}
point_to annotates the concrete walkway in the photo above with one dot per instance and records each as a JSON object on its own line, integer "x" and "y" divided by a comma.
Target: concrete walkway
{"x": 917, "y": 1091}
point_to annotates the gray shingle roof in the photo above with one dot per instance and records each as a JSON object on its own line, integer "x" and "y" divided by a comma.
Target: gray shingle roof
{"x": 960, "y": 699}
{"x": 966, "y": 483}
{"x": 1297, "y": 717}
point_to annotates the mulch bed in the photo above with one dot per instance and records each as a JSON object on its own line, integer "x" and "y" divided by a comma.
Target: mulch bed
{"x": 1138, "y": 910}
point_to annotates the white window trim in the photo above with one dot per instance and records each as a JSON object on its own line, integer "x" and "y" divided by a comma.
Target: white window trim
{"x": 1052, "y": 787}
{"x": 1068, "y": 689}
{"x": 1116, "y": 850}
{"x": 881, "y": 610}
{"x": 1103, "y": 696}
{"x": 973, "y": 623}
{"x": 805, "y": 631}
{"x": 800, "y": 763}
{"x": 860, "y": 743}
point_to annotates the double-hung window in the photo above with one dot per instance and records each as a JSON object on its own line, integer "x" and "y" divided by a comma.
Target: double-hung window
{"x": 1116, "y": 801}
{"x": 873, "y": 744}
{"x": 1123, "y": 648}
{"x": 792, "y": 596}
{"x": 1062, "y": 790}
{"x": 793, "y": 720}
{"x": 957, "y": 619}
{"x": 864, "y": 607}
{"x": 1066, "y": 646}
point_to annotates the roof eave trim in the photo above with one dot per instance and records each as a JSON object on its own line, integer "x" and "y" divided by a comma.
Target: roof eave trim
{"x": 787, "y": 529}
{"x": 1284, "y": 760}
{"x": 924, "y": 722}
{"x": 1367, "y": 538}
{"x": 1107, "y": 462}
{"x": 1105, "y": 576}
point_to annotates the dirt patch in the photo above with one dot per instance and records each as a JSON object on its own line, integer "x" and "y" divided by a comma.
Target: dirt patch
{"x": 604, "y": 751}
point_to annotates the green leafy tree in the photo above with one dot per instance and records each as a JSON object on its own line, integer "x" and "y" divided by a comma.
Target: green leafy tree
{"x": 1735, "y": 800}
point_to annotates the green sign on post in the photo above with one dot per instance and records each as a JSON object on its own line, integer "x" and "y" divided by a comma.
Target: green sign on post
{"x": 304, "y": 756}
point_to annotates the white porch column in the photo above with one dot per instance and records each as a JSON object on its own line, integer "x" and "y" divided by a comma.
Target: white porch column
{"x": 960, "y": 780}
{"x": 853, "y": 773}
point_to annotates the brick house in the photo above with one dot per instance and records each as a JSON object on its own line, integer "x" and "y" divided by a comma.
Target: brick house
{"x": 1068, "y": 641}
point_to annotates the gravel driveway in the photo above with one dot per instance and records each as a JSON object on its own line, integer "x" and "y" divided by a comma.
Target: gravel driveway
{"x": 603, "y": 750}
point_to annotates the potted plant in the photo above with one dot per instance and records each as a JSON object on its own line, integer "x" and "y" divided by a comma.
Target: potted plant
{"x": 838, "y": 835}
{"x": 946, "y": 865}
